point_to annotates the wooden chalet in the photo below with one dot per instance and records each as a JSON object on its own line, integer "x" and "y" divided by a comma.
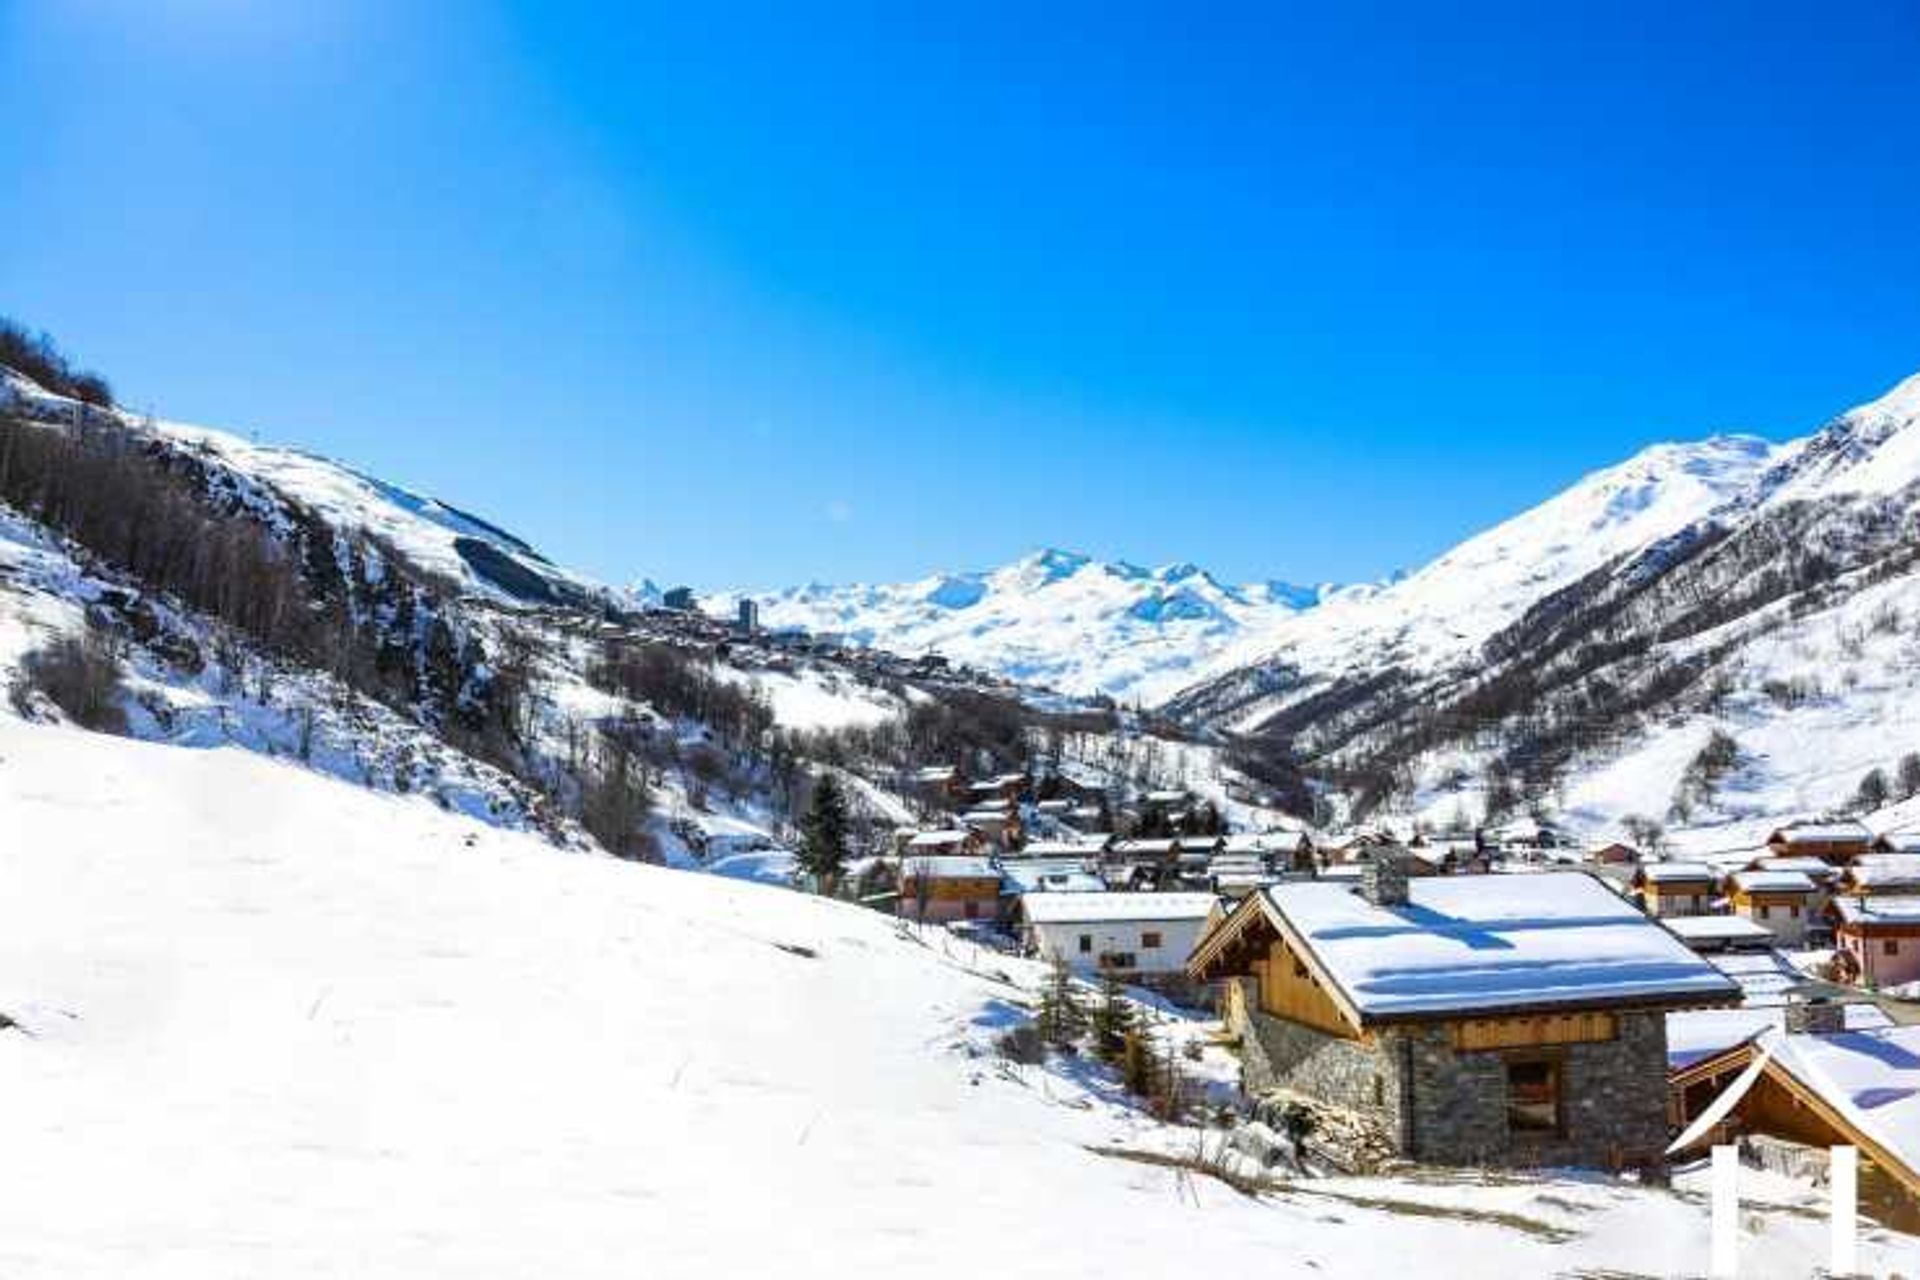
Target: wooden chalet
{"x": 1476, "y": 1020}
{"x": 1675, "y": 888}
{"x": 949, "y": 887}
{"x": 1880, "y": 873}
{"x": 1781, "y": 902}
{"x": 1816, "y": 1084}
{"x": 1834, "y": 843}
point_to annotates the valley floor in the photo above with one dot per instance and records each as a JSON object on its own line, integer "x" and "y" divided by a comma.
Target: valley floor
{"x": 273, "y": 1025}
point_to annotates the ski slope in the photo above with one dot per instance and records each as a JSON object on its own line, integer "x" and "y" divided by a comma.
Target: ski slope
{"x": 270, "y": 1024}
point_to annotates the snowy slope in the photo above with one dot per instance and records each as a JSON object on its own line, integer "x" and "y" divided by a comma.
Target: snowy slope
{"x": 271, "y": 1025}
{"x": 1055, "y": 618}
{"x": 280, "y": 482}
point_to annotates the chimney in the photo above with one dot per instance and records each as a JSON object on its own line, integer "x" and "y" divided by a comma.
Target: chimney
{"x": 1815, "y": 1016}
{"x": 1383, "y": 881}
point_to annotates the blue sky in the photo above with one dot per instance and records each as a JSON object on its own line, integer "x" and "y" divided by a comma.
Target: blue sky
{"x": 758, "y": 296}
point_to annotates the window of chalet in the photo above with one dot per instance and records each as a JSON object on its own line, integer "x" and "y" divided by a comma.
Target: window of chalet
{"x": 1119, "y": 960}
{"x": 1086, "y": 943}
{"x": 1149, "y": 941}
{"x": 1890, "y": 947}
{"x": 1766, "y": 912}
{"x": 1533, "y": 1095}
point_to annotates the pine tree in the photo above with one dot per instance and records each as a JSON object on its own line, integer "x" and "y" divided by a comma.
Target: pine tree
{"x": 1874, "y": 790}
{"x": 1112, "y": 1020}
{"x": 1061, "y": 1020}
{"x": 823, "y": 834}
{"x": 1909, "y": 773}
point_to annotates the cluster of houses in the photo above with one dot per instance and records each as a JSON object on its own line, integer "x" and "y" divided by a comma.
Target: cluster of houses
{"x": 1812, "y": 884}
{"x": 1492, "y": 1000}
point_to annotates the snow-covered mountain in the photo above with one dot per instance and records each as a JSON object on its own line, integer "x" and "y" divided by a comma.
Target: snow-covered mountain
{"x": 1585, "y": 650}
{"x": 1055, "y": 618}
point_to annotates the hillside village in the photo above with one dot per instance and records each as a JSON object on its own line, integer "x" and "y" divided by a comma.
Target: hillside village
{"x": 1267, "y": 985}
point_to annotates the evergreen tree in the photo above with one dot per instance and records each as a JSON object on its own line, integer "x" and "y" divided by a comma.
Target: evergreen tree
{"x": 1874, "y": 790}
{"x": 823, "y": 834}
{"x": 1112, "y": 1020}
{"x": 1909, "y": 772}
{"x": 1061, "y": 1020}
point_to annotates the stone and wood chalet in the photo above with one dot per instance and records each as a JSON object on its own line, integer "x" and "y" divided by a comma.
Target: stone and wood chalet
{"x": 1675, "y": 888}
{"x": 1471, "y": 1020}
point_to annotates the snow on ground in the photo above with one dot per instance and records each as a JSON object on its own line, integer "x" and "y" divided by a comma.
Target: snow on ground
{"x": 274, "y": 1025}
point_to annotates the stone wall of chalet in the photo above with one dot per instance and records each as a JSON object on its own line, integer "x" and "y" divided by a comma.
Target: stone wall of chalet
{"x": 1410, "y": 1089}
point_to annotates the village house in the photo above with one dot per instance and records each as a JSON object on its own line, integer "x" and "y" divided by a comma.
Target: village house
{"x": 1707, "y": 934}
{"x": 1614, "y": 854}
{"x": 942, "y": 888}
{"x": 1007, "y": 787}
{"x": 942, "y": 786}
{"x": 1897, "y": 842}
{"x": 1136, "y": 937}
{"x": 998, "y": 824}
{"x": 1478, "y": 1020}
{"x": 1780, "y": 902}
{"x": 1674, "y": 888}
{"x": 1877, "y": 939}
{"x": 1047, "y": 875}
{"x": 949, "y": 841}
{"x": 1880, "y": 873}
{"x": 1815, "y": 1083}
{"x": 1834, "y": 843}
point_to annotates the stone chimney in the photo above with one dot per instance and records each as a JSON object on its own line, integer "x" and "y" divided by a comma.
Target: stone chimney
{"x": 1383, "y": 880}
{"x": 1815, "y": 1016}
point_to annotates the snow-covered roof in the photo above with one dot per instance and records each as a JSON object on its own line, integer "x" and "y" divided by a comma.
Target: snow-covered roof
{"x": 1059, "y": 849}
{"x": 1872, "y": 1078}
{"x": 1885, "y": 909}
{"x": 939, "y": 839}
{"x": 1898, "y": 841}
{"x": 1773, "y": 882}
{"x": 1143, "y": 846}
{"x": 1805, "y": 864}
{"x": 937, "y": 773}
{"x": 1265, "y": 841}
{"x": 1693, "y": 929}
{"x": 1467, "y": 943}
{"x": 1093, "y": 908}
{"x": 1884, "y": 870}
{"x": 1822, "y": 833}
{"x": 1675, "y": 872}
{"x": 1697, "y": 1034}
{"x": 1165, "y": 797}
{"x": 1050, "y": 877}
{"x": 949, "y": 867}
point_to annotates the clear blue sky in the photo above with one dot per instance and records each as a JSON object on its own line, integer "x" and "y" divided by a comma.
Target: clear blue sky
{"x": 756, "y": 297}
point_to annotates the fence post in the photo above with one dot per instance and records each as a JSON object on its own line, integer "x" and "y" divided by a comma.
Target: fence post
{"x": 1843, "y": 1181}
{"x": 1726, "y": 1211}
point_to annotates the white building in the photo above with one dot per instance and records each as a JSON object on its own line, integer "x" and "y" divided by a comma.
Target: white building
{"x": 1127, "y": 934}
